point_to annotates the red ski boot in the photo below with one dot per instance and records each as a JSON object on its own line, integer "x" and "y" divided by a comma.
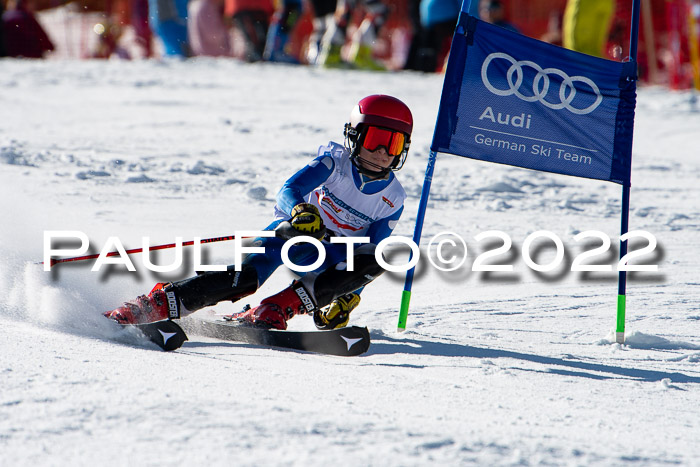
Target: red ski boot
{"x": 160, "y": 304}
{"x": 274, "y": 311}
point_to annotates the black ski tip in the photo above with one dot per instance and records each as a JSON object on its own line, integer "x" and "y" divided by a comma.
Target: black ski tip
{"x": 166, "y": 334}
{"x": 356, "y": 339}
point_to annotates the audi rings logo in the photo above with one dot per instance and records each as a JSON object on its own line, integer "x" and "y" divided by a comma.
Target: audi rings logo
{"x": 540, "y": 84}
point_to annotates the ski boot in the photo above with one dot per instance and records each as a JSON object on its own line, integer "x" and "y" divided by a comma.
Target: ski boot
{"x": 275, "y": 311}
{"x": 337, "y": 314}
{"x": 161, "y": 303}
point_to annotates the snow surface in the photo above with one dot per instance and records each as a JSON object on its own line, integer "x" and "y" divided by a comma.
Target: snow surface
{"x": 513, "y": 368}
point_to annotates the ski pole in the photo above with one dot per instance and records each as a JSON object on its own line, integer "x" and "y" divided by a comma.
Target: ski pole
{"x": 140, "y": 250}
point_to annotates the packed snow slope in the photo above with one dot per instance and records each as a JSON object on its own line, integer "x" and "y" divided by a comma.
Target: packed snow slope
{"x": 507, "y": 368}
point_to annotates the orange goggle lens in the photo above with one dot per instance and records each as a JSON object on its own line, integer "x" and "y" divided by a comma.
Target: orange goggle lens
{"x": 393, "y": 141}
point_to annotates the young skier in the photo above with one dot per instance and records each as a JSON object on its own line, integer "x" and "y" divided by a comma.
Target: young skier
{"x": 347, "y": 191}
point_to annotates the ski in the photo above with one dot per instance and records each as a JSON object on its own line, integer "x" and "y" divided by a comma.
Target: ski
{"x": 166, "y": 334}
{"x": 345, "y": 342}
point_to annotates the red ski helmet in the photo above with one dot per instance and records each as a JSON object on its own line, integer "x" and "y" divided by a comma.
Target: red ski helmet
{"x": 381, "y": 111}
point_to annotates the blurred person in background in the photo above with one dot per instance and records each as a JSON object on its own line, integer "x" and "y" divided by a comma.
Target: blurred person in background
{"x": 206, "y": 31}
{"x": 279, "y": 35}
{"x": 323, "y": 18}
{"x": 362, "y": 41}
{"x": 24, "y": 36}
{"x": 586, "y": 25}
{"x": 168, "y": 19}
{"x": 417, "y": 34}
{"x": 492, "y": 11}
{"x": 438, "y": 19}
{"x": 252, "y": 19}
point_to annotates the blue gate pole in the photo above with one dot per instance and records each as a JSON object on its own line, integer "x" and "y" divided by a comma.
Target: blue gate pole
{"x": 622, "y": 279}
{"x": 417, "y": 231}
{"x": 625, "y": 212}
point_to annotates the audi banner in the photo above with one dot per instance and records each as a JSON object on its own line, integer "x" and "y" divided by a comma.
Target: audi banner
{"x": 518, "y": 101}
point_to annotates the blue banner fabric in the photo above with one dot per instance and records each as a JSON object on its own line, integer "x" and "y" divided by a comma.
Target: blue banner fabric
{"x": 514, "y": 100}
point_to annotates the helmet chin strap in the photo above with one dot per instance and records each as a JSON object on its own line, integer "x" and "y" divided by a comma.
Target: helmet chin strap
{"x": 379, "y": 173}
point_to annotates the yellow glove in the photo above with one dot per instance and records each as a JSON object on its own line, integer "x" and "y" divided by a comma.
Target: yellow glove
{"x": 306, "y": 219}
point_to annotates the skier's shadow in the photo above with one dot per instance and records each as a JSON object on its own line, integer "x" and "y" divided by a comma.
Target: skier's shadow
{"x": 386, "y": 345}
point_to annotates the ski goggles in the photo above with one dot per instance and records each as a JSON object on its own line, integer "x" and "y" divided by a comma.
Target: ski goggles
{"x": 393, "y": 141}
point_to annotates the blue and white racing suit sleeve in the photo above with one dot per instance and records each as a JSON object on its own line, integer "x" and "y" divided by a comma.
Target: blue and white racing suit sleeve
{"x": 299, "y": 185}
